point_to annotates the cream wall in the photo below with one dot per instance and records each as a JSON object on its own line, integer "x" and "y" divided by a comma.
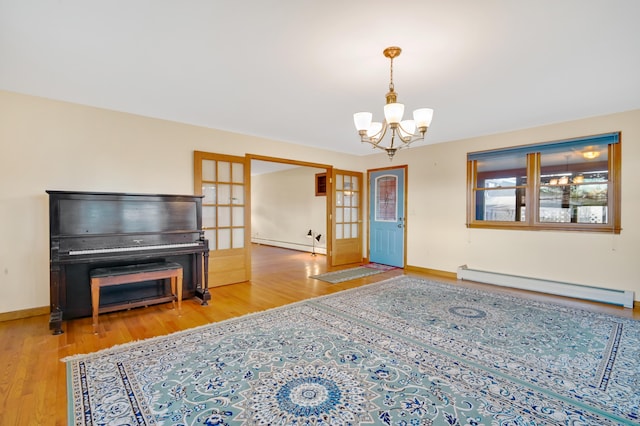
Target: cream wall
{"x": 47, "y": 144}
{"x": 284, "y": 206}
{"x": 55, "y": 145}
{"x": 438, "y": 238}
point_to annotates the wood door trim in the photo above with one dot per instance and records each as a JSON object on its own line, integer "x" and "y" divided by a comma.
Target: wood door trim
{"x": 288, "y": 161}
{"x": 329, "y": 196}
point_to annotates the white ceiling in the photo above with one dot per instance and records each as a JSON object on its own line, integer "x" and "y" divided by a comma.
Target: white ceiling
{"x": 296, "y": 70}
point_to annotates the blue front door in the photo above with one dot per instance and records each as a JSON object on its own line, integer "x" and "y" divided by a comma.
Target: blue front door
{"x": 387, "y": 217}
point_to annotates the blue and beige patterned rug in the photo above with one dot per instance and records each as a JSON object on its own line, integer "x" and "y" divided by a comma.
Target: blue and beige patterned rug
{"x": 405, "y": 351}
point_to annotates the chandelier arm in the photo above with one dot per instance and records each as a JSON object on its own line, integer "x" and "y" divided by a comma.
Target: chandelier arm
{"x": 405, "y": 139}
{"x": 377, "y": 138}
{"x": 382, "y": 133}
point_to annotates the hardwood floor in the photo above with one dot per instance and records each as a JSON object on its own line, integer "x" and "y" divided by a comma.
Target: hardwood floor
{"x": 32, "y": 377}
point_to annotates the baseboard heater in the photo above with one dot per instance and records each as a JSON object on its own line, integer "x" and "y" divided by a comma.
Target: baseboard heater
{"x": 598, "y": 294}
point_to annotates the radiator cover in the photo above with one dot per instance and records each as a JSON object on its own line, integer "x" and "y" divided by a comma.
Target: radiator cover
{"x": 580, "y": 291}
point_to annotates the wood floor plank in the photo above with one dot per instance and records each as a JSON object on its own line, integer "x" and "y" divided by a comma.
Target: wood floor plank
{"x": 33, "y": 380}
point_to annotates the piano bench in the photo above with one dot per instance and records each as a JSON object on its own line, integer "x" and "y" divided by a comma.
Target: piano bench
{"x": 128, "y": 274}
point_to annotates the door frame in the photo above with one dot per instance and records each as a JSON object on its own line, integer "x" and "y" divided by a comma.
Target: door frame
{"x": 329, "y": 196}
{"x": 406, "y": 204}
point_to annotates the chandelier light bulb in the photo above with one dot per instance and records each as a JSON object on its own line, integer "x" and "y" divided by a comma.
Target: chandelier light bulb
{"x": 393, "y": 112}
{"x": 362, "y": 120}
{"x": 423, "y": 117}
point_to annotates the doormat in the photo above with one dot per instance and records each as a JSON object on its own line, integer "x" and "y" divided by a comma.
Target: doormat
{"x": 379, "y": 266}
{"x": 346, "y": 274}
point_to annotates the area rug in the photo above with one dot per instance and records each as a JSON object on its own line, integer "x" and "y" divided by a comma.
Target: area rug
{"x": 404, "y": 351}
{"x": 346, "y": 274}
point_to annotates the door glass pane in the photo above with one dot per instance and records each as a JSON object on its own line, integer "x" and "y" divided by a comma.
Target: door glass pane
{"x": 238, "y": 238}
{"x": 354, "y": 199}
{"x": 354, "y": 230}
{"x": 354, "y": 215}
{"x": 210, "y": 234}
{"x": 238, "y": 216}
{"x": 339, "y": 215}
{"x": 208, "y": 217}
{"x": 237, "y": 194}
{"x": 224, "y": 239}
{"x": 209, "y": 192}
{"x": 224, "y": 193}
{"x": 224, "y": 216}
{"x": 355, "y": 183}
{"x": 386, "y": 191}
{"x": 224, "y": 171}
{"x": 339, "y": 185}
{"x": 339, "y": 233}
{"x": 347, "y": 215}
{"x": 348, "y": 186}
{"x": 208, "y": 170}
{"x": 237, "y": 173}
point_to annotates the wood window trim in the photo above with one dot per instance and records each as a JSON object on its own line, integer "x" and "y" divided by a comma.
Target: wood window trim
{"x": 532, "y": 222}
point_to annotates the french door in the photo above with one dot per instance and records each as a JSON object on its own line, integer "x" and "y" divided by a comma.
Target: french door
{"x": 223, "y": 180}
{"x": 346, "y": 217}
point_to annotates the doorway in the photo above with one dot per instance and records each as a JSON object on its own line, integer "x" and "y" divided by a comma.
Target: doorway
{"x": 287, "y": 211}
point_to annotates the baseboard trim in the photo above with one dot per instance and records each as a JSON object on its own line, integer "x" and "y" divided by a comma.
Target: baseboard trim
{"x": 24, "y": 313}
{"x": 437, "y": 272}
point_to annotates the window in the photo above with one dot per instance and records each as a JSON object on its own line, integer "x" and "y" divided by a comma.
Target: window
{"x": 321, "y": 184}
{"x": 571, "y": 185}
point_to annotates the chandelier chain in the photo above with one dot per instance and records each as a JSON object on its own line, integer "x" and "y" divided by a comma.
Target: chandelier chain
{"x": 391, "y": 86}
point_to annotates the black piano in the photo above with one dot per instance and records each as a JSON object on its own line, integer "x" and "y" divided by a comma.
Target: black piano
{"x": 89, "y": 230}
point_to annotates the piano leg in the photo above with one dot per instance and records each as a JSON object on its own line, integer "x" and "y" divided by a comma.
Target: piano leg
{"x": 55, "y": 321}
{"x": 202, "y": 291}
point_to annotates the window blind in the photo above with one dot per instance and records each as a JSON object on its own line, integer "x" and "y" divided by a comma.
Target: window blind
{"x": 577, "y": 143}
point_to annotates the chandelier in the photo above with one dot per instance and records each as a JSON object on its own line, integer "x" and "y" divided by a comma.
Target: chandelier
{"x": 403, "y": 132}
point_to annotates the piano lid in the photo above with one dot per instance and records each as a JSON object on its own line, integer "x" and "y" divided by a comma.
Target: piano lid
{"x": 75, "y": 214}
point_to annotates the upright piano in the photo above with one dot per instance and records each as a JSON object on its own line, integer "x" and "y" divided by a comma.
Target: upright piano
{"x": 89, "y": 230}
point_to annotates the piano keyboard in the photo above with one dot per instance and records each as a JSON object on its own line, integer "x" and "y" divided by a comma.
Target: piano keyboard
{"x": 131, "y": 248}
